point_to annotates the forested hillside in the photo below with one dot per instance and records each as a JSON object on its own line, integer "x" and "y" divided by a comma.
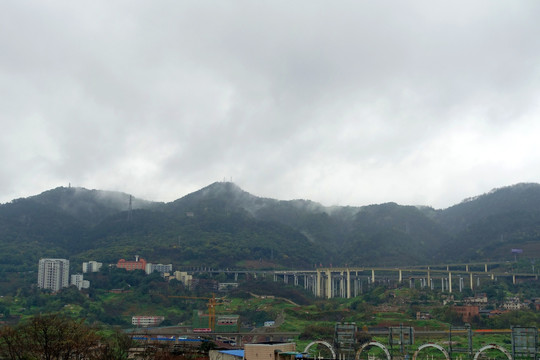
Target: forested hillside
{"x": 223, "y": 226}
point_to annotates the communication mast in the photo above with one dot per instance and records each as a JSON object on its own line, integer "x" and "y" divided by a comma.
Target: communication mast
{"x": 130, "y": 208}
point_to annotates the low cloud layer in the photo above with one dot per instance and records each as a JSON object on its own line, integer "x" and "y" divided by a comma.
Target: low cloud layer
{"x": 346, "y": 103}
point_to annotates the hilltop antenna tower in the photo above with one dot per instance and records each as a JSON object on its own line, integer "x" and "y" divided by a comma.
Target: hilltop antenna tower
{"x": 130, "y": 209}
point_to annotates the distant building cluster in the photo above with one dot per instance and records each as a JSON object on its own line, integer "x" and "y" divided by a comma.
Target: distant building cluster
{"x": 478, "y": 306}
{"x": 54, "y": 274}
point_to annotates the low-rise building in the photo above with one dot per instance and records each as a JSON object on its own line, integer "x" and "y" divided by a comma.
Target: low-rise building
{"x": 467, "y": 312}
{"x": 145, "y": 321}
{"x": 513, "y": 304}
{"x": 480, "y": 299}
{"x": 138, "y": 264}
{"x": 183, "y": 277}
{"x": 227, "y": 286}
{"x": 272, "y": 351}
{"x": 160, "y": 268}
{"x": 226, "y": 354}
{"x": 79, "y": 282}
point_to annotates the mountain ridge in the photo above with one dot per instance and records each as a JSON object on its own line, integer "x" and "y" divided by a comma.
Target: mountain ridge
{"x": 223, "y": 225}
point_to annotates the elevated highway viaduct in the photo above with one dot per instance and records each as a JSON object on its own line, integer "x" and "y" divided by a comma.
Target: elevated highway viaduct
{"x": 347, "y": 282}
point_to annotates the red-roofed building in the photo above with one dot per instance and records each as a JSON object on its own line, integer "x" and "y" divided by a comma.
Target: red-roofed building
{"x": 138, "y": 264}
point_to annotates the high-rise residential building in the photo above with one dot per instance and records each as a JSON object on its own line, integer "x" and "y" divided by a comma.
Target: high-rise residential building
{"x": 53, "y": 274}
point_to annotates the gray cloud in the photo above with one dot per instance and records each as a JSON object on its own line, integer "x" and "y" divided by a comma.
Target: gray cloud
{"x": 417, "y": 102}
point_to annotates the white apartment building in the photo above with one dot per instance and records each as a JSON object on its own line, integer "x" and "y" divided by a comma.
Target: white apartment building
{"x": 91, "y": 266}
{"x": 183, "y": 277}
{"x": 79, "y": 282}
{"x": 53, "y": 274}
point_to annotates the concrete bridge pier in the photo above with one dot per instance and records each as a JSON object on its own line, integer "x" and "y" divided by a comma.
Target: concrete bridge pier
{"x": 328, "y": 284}
{"x": 348, "y": 284}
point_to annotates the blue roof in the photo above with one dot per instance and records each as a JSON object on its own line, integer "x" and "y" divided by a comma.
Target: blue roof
{"x": 239, "y": 353}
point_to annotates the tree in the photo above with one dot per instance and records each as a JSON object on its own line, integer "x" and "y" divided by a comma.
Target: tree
{"x": 55, "y": 337}
{"x": 12, "y": 344}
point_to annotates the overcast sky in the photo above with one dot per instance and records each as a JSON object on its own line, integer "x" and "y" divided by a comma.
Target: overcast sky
{"x": 340, "y": 102}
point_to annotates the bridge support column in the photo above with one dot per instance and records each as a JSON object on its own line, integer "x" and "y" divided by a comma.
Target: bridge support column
{"x": 341, "y": 285}
{"x": 485, "y": 268}
{"x": 467, "y": 268}
{"x": 348, "y": 284}
{"x": 400, "y": 276}
{"x": 429, "y": 278}
{"x": 471, "y": 281}
{"x": 318, "y": 284}
{"x": 514, "y": 279}
{"x": 329, "y": 289}
{"x": 372, "y": 275}
{"x": 449, "y": 282}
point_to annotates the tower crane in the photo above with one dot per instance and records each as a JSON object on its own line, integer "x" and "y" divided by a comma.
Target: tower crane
{"x": 212, "y": 302}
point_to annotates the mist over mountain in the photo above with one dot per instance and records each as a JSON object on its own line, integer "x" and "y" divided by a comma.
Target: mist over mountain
{"x": 222, "y": 225}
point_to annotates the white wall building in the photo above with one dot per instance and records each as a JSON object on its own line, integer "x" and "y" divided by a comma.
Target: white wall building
{"x": 144, "y": 321}
{"x": 183, "y": 277}
{"x": 91, "y": 266}
{"x": 53, "y": 274}
{"x": 150, "y": 268}
{"x": 79, "y": 282}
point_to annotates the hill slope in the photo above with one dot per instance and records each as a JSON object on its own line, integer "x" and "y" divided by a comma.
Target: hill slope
{"x": 221, "y": 225}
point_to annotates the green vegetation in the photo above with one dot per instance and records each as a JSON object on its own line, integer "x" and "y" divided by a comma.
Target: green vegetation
{"x": 222, "y": 226}
{"x": 60, "y": 337}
